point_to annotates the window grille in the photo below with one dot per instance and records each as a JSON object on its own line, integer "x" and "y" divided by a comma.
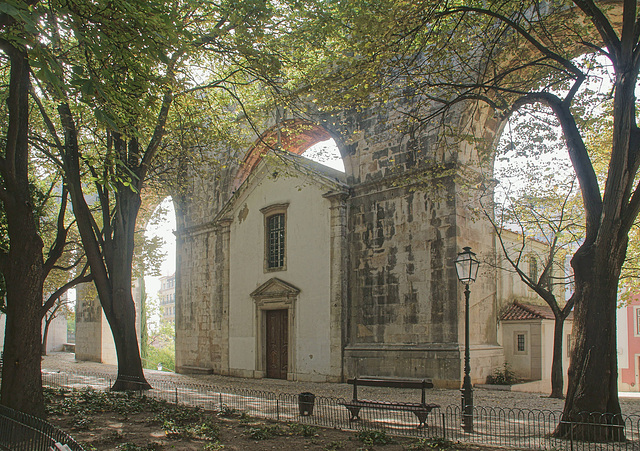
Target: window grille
{"x": 275, "y": 235}
{"x": 521, "y": 343}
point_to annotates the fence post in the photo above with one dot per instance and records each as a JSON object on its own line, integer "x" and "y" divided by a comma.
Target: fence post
{"x": 176, "y": 394}
{"x": 278, "y": 408}
{"x": 571, "y": 435}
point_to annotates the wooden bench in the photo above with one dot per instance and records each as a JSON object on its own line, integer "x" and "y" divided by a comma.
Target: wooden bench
{"x": 420, "y": 410}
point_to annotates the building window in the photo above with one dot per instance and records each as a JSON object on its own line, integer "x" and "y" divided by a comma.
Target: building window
{"x": 637, "y": 311}
{"x": 569, "y": 345}
{"x": 275, "y": 227}
{"x": 520, "y": 342}
{"x": 275, "y": 224}
{"x": 533, "y": 268}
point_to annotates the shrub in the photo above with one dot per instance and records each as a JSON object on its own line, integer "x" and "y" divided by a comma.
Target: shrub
{"x": 370, "y": 437}
{"x": 425, "y": 444}
{"x": 502, "y": 376}
{"x": 264, "y": 432}
{"x": 305, "y": 430}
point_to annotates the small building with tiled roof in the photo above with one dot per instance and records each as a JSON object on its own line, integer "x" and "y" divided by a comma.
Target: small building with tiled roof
{"x": 527, "y": 338}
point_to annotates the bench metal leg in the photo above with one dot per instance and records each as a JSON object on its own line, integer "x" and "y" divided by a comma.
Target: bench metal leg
{"x": 422, "y": 417}
{"x": 355, "y": 413}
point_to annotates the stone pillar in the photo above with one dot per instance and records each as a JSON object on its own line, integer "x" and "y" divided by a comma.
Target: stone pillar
{"x": 339, "y": 267}
{"x": 222, "y": 271}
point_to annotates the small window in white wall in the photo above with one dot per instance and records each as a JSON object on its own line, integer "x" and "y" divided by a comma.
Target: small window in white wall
{"x": 520, "y": 342}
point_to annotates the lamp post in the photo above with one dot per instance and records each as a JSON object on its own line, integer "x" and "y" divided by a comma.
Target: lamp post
{"x": 467, "y": 269}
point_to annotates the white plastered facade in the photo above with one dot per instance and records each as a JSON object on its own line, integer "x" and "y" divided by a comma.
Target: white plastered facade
{"x": 308, "y": 286}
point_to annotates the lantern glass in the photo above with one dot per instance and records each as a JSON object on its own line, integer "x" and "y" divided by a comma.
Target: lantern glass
{"x": 467, "y": 266}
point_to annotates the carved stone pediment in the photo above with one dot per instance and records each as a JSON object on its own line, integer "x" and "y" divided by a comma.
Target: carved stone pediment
{"x": 275, "y": 289}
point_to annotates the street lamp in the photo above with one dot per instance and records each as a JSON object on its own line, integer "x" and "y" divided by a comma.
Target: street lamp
{"x": 467, "y": 269}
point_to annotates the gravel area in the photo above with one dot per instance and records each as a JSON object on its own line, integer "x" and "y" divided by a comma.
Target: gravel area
{"x": 483, "y": 397}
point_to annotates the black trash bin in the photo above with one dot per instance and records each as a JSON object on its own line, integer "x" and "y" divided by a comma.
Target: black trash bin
{"x": 305, "y": 402}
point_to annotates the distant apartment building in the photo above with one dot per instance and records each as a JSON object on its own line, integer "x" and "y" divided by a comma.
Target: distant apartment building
{"x": 167, "y": 295}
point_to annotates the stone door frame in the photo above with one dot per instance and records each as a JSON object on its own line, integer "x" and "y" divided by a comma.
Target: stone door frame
{"x": 275, "y": 295}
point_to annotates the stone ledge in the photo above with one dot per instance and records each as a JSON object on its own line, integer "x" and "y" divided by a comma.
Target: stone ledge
{"x": 186, "y": 369}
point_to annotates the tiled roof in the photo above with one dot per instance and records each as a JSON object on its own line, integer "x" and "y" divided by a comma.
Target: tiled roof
{"x": 521, "y": 312}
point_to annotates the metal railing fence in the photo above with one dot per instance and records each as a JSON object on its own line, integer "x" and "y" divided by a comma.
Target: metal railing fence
{"x": 497, "y": 427}
{"x": 22, "y": 432}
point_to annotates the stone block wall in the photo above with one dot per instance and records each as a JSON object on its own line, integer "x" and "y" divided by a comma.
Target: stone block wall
{"x": 410, "y": 211}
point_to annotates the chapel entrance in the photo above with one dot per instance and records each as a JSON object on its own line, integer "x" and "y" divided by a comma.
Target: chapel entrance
{"x": 277, "y": 341}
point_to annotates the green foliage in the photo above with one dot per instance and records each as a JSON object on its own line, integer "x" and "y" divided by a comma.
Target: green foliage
{"x": 334, "y": 446}
{"x": 82, "y": 423}
{"x": 504, "y": 376}
{"x": 128, "y": 446}
{"x": 304, "y": 430}
{"x": 80, "y": 403}
{"x": 160, "y": 338}
{"x": 177, "y": 421}
{"x": 227, "y": 411}
{"x": 372, "y": 437}
{"x": 180, "y": 429}
{"x": 215, "y": 446}
{"x": 264, "y": 431}
{"x": 165, "y": 355}
{"x": 178, "y": 414}
{"x": 431, "y": 443}
{"x": 268, "y": 431}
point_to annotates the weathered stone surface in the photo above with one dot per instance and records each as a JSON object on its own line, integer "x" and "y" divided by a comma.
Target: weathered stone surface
{"x": 408, "y": 213}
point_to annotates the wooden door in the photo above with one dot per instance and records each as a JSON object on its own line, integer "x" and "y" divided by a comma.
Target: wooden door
{"x": 277, "y": 343}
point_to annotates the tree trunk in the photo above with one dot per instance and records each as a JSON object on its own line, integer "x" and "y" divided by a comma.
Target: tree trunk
{"x": 122, "y": 314}
{"x": 45, "y": 334}
{"x": 21, "y": 370}
{"x": 111, "y": 263}
{"x": 144, "y": 332}
{"x": 592, "y": 409}
{"x": 23, "y": 268}
{"x": 557, "y": 373}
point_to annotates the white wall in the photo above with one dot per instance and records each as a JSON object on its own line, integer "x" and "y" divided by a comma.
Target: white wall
{"x": 57, "y": 332}
{"x": 57, "y": 335}
{"x": 535, "y": 363}
{"x": 307, "y": 238}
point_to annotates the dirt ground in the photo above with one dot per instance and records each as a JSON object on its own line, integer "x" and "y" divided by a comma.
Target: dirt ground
{"x": 110, "y": 432}
{"x": 104, "y": 421}
{"x": 138, "y": 432}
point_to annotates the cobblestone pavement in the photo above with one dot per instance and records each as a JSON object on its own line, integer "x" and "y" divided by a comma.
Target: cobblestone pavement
{"x": 60, "y": 361}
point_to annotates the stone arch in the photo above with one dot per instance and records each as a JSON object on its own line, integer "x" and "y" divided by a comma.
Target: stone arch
{"x": 293, "y": 135}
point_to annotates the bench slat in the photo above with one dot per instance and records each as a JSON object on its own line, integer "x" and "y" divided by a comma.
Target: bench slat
{"x": 391, "y": 383}
{"x": 390, "y": 405}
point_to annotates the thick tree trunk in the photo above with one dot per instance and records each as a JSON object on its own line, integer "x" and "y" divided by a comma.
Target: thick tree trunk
{"x": 122, "y": 314}
{"x": 592, "y": 410}
{"x": 21, "y": 370}
{"x": 110, "y": 263}
{"x": 557, "y": 373}
{"x": 23, "y": 267}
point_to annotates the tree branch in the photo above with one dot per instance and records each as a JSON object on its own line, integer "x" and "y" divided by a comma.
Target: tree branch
{"x": 81, "y": 278}
{"x": 589, "y": 187}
